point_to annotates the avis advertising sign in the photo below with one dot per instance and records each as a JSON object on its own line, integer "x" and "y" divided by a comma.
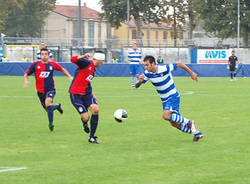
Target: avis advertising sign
{"x": 212, "y": 56}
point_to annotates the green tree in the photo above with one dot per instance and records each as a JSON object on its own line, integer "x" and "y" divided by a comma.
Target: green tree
{"x": 4, "y": 6}
{"x": 141, "y": 11}
{"x": 27, "y": 20}
{"x": 220, "y": 18}
{"x": 193, "y": 16}
{"x": 177, "y": 11}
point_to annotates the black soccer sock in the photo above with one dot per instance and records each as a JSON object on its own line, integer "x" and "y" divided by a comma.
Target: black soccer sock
{"x": 83, "y": 122}
{"x": 231, "y": 75}
{"x": 51, "y": 113}
{"x": 93, "y": 124}
{"x": 234, "y": 75}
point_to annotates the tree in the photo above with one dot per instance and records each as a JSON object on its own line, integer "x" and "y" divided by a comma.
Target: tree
{"x": 220, "y": 18}
{"x": 193, "y": 16}
{"x": 27, "y": 20}
{"x": 141, "y": 11}
{"x": 4, "y": 6}
{"x": 177, "y": 11}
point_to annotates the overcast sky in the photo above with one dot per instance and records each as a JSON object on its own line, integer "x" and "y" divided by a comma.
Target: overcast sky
{"x": 93, "y": 4}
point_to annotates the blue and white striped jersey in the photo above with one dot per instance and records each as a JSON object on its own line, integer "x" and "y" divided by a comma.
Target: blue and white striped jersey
{"x": 163, "y": 81}
{"x": 38, "y": 55}
{"x": 135, "y": 56}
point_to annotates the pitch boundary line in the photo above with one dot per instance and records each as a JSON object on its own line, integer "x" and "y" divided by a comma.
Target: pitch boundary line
{"x": 114, "y": 96}
{"x": 7, "y": 169}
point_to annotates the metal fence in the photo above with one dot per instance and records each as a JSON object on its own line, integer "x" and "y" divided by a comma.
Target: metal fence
{"x": 64, "y": 48}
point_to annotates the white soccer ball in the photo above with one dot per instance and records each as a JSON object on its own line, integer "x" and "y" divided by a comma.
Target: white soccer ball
{"x": 120, "y": 115}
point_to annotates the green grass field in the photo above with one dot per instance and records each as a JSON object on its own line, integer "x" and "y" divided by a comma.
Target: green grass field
{"x": 143, "y": 150}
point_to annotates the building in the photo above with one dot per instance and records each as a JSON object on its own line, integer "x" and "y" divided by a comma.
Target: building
{"x": 61, "y": 25}
{"x": 153, "y": 35}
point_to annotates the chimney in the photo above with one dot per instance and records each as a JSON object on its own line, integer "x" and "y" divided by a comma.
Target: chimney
{"x": 85, "y": 4}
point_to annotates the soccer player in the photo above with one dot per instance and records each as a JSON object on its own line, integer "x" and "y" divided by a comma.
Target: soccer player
{"x": 161, "y": 77}
{"x": 134, "y": 56}
{"x": 232, "y": 65}
{"x": 44, "y": 71}
{"x": 81, "y": 94}
{"x": 42, "y": 46}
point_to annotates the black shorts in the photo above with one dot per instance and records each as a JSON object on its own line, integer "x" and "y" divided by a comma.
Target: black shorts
{"x": 232, "y": 68}
{"x": 82, "y": 102}
{"x": 43, "y": 96}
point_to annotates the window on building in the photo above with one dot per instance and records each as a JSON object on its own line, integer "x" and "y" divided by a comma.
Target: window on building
{"x": 181, "y": 35}
{"x": 156, "y": 35}
{"x": 133, "y": 34}
{"x": 91, "y": 34}
{"x": 75, "y": 29}
{"x": 165, "y": 35}
{"x": 99, "y": 34}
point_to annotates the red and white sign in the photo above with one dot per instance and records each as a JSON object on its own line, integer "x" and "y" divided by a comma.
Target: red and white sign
{"x": 213, "y": 56}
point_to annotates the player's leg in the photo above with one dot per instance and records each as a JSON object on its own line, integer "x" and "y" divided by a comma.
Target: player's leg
{"x": 231, "y": 71}
{"x": 93, "y": 122}
{"x": 178, "y": 121}
{"x": 85, "y": 119}
{"x": 42, "y": 97}
{"x": 171, "y": 113}
{"x": 50, "y": 108}
{"x": 234, "y": 73}
{"x": 94, "y": 109}
{"x": 132, "y": 74}
{"x": 137, "y": 71}
{"x": 78, "y": 103}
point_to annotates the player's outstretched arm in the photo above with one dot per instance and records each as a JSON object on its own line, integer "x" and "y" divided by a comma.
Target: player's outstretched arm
{"x": 138, "y": 84}
{"x": 87, "y": 55}
{"x": 26, "y": 80}
{"x": 187, "y": 69}
{"x": 67, "y": 74}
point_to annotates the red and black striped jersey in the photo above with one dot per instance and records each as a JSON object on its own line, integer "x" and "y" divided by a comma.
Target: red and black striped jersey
{"x": 44, "y": 75}
{"x": 83, "y": 76}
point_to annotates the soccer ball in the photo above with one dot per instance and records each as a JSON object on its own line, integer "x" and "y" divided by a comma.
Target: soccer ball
{"x": 120, "y": 115}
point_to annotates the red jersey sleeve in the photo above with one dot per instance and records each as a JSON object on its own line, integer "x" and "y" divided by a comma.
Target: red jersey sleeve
{"x": 57, "y": 66}
{"x": 74, "y": 59}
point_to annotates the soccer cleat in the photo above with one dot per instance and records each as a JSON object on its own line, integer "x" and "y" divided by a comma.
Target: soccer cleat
{"x": 85, "y": 127}
{"x": 197, "y": 136}
{"x": 51, "y": 127}
{"x": 93, "y": 140}
{"x": 60, "y": 108}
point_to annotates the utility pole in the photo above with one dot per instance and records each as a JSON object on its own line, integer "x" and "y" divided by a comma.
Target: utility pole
{"x": 79, "y": 23}
{"x": 238, "y": 30}
{"x": 128, "y": 16}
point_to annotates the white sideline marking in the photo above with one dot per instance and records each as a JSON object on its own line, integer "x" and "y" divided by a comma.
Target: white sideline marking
{"x": 7, "y": 169}
{"x": 188, "y": 93}
{"x": 114, "y": 96}
{"x": 16, "y": 97}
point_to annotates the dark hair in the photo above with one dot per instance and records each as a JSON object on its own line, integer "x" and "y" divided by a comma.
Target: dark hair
{"x": 99, "y": 51}
{"x": 44, "y": 49}
{"x": 151, "y": 59}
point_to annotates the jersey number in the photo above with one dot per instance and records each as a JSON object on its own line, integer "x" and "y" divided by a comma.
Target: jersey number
{"x": 44, "y": 74}
{"x": 89, "y": 78}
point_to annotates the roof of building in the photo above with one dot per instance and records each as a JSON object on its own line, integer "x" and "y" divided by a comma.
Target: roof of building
{"x": 72, "y": 11}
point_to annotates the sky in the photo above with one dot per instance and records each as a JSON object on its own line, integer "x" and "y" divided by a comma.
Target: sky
{"x": 93, "y": 4}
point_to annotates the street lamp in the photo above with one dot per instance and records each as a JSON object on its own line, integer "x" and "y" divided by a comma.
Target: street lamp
{"x": 128, "y": 21}
{"x": 79, "y": 23}
{"x": 238, "y": 30}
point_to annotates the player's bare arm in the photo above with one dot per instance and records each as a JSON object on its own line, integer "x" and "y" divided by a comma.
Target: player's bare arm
{"x": 187, "y": 69}
{"x": 26, "y": 81}
{"x": 67, "y": 74}
{"x": 138, "y": 84}
{"x": 87, "y": 55}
